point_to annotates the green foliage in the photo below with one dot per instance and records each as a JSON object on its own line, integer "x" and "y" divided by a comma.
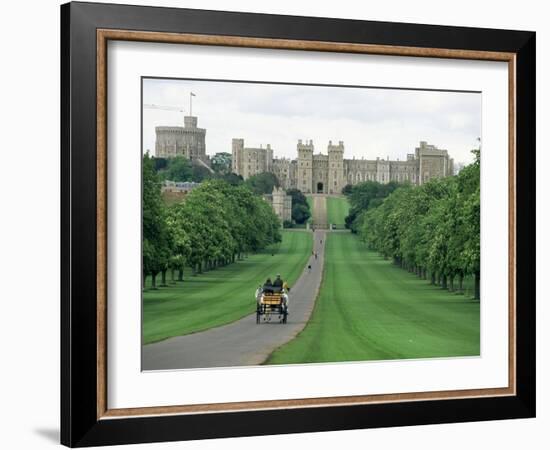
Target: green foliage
{"x": 300, "y": 213}
{"x": 300, "y": 207}
{"x": 363, "y": 196}
{"x": 232, "y": 178}
{"x": 347, "y": 189}
{"x": 263, "y": 183}
{"x": 434, "y": 227}
{"x": 156, "y": 237}
{"x": 181, "y": 169}
{"x": 217, "y": 223}
{"x": 221, "y": 162}
{"x": 178, "y": 169}
{"x": 160, "y": 163}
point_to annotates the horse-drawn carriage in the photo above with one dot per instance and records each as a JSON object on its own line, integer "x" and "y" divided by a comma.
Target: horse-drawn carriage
{"x": 271, "y": 304}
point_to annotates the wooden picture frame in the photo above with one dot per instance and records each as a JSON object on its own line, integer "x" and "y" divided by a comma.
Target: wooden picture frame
{"x": 85, "y": 416}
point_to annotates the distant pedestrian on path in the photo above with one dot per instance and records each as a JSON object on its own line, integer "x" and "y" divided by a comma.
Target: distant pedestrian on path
{"x": 315, "y": 255}
{"x": 309, "y": 268}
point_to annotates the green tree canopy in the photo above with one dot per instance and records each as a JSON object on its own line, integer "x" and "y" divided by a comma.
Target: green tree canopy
{"x": 433, "y": 227}
{"x": 300, "y": 213}
{"x": 221, "y": 162}
{"x": 263, "y": 183}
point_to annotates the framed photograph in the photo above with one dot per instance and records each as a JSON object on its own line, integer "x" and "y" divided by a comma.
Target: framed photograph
{"x": 276, "y": 224}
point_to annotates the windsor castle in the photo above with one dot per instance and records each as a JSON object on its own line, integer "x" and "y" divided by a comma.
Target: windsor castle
{"x": 329, "y": 173}
{"x": 309, "y": 172}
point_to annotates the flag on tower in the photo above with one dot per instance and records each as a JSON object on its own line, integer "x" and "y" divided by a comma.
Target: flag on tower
{"x": 193, "y": 95}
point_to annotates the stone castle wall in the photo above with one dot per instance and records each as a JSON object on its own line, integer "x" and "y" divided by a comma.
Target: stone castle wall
{"x": 188, "y": 141}
{"x": 281, "y": 203}
{"x": 329, "y": 173}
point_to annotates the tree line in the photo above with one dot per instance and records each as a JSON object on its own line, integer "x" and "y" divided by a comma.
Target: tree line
{"x": 432, "y": 230}
{"x": 181, "y": 169}
{"x": 217, "y": 224}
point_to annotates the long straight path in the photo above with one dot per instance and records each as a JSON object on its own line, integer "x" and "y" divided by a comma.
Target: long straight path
{"x": 243, "y": 342}
{"x": 320, "y": 220}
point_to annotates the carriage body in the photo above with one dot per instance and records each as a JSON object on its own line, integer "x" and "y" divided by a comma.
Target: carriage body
{"x": 271, "y": 305}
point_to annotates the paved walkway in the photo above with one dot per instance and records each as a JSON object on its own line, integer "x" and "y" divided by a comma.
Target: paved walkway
{"x": 320, "y": 212}
{"x": 244, "y": 342}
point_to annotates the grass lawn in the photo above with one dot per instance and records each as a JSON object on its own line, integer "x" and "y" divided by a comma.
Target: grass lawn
{"x": 223, "y": 295}
{"x": 369, "y": 309}
{"x": 337, "y": 210}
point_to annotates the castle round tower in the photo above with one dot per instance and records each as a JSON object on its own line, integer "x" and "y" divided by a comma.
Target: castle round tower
{"x": 188, "y": 141}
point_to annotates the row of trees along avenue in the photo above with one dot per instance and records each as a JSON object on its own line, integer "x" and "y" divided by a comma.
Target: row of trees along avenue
{"x": 431, "y": 230}
{"x": 217, "y": 224}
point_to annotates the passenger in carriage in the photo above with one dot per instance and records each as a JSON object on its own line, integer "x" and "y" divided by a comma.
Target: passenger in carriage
{"x": 278, "y": 284}
{"x": 268, "y": 287}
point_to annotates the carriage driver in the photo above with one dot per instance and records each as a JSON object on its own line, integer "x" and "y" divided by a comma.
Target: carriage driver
{"x": 283, "y": 287}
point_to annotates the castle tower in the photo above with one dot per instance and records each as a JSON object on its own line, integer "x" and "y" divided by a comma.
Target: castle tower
{"x": 305, "y": 167}
{"x": 188, "y": 141}
{"x": 336, "y": 180}
{"x": 237, "y": 146}
{"x": 432, "y": 162}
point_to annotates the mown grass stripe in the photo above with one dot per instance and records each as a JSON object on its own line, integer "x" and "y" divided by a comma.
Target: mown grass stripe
{"x": 369, "y": 309}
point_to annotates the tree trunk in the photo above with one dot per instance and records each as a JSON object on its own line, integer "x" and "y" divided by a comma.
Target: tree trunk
{"x": 444, "y": 282}
{"x": 163, "y": 278}
{"x": 432, "y": 278}
{"x": 424, "y": 275}
{"x": 439, "y": 279}
{"x": 144, "y": 279}
{"x": 154, "y": 280}
{"x": 476, "y": 285}
{"x": 172, "y": 280}
{"x": 460, "y": 281}
{"x": 451, "y": 283}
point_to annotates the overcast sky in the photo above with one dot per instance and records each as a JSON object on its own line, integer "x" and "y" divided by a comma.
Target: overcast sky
{"x": 371, "y": 122}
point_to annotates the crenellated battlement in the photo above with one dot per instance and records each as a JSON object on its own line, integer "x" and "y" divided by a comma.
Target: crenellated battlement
{"x": 329, "y": 173}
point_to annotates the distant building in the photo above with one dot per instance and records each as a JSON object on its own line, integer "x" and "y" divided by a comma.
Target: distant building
{"x": 174, "y": 192}
{"x": 281, "y": 203}
{"x": 329, "y": 173}
{"x": 188, "y": 141}
{"x": 248, "y": 161}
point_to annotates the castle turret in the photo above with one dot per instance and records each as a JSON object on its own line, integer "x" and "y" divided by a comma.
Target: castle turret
{"x": 305, "y": 166}
{"x": 336, "y": 180}
{"x": 188, "y": 141}
{"x": 237, "y": 146}
{"x": 249, "y": 161}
